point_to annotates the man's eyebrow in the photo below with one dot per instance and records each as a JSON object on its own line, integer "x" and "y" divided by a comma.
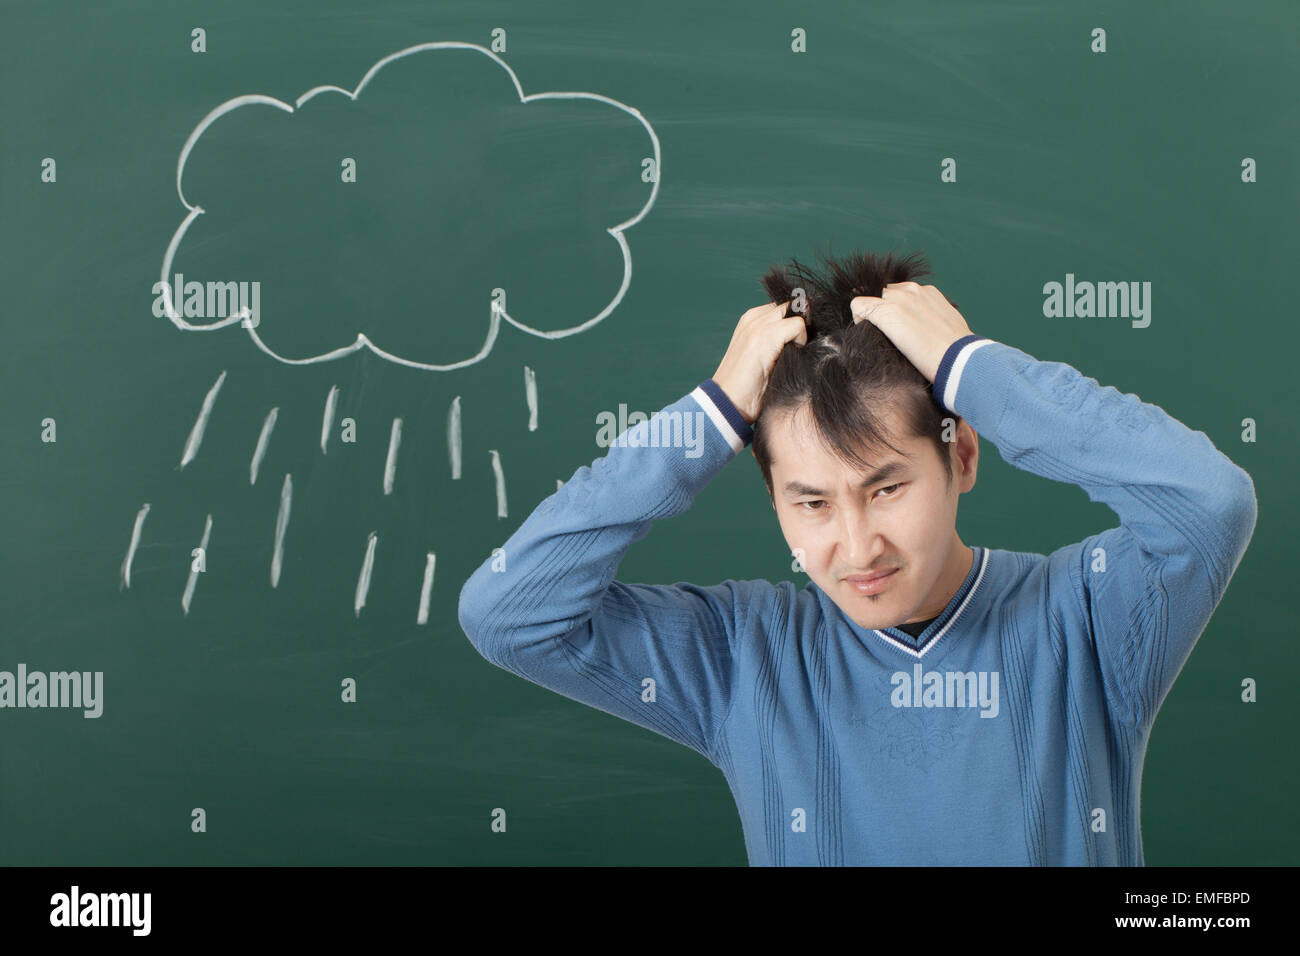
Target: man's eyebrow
{"x": 794, "y": 489}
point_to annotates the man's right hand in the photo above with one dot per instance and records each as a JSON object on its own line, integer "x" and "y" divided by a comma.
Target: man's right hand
{"x": 755, "y": 346}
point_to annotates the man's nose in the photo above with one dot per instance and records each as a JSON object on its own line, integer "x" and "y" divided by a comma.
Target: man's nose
{"x": 858, "y": 536}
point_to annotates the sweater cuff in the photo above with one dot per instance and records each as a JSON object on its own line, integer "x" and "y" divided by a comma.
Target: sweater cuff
{"x": 948, "y": 378}
{"x": 723, "y": 414}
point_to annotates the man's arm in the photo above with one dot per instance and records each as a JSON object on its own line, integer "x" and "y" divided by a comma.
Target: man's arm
{"x": 660, "y": 656}
{"x": 1186, "y": 511}
{"x": 547, "y": 607}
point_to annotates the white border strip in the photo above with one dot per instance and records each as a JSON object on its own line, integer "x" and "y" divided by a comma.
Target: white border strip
{"x": 894, "y": 642}
{"x": 702, "y": 399}
{"x": 954, "y": 375}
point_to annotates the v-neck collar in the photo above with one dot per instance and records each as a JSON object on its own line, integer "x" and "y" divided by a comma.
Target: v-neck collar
{"x": 926, "y": 641}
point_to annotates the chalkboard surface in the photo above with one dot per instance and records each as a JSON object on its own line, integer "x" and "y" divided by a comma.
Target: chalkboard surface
{"x": 307, "y": 305}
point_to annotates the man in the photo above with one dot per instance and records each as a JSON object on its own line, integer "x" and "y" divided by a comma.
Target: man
{"x": 919, "y": 701}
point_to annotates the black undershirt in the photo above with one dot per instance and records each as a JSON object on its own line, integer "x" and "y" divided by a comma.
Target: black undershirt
{"x": 916, "y": 628}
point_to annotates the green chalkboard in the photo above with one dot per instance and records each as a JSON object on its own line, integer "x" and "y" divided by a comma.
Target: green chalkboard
{"x": 463, "y": 232}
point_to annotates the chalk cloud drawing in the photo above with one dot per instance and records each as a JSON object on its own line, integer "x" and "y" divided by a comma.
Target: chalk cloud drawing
{"x": 362, "y": 340}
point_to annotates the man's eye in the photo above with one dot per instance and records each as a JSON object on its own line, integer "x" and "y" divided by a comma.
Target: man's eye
{"x": 807, "y": 505}
{"x": 892, "y": 488}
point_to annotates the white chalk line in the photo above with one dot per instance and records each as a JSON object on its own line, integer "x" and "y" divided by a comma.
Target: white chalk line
{"x": 327, "y": 420}
{"x": 262, "y": 440}
{"x": 390, "y": 466}
{"x": 362, "y": 341}
{"x": 501, "y": 483}
{"x": 281, "y": 525}
{"x": 423, "y": 616}
{"x": 530, "y": 395}
{"x": 363, "y": 581}
{"x": 453, "y": 437}
{"x": 194, "y": 575}
{"x": 201, "y": 423}
{"x": 130, "y": 548}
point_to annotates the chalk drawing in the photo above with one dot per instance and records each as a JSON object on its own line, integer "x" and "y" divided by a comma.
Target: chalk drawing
{"x": 496, "y": 313}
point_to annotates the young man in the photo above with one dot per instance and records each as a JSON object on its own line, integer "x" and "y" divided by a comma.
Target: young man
{"x": 919, "y": 701}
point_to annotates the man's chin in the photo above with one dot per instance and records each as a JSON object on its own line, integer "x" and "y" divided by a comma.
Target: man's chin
{"x": 877, "y": 622}
{"x": 878, "y": 625}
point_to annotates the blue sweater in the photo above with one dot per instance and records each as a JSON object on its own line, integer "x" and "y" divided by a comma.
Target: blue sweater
{"x": 1011, "y": 731}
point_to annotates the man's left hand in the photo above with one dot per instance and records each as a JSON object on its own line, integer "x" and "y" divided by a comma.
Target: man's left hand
{"x": 918, "y": 319}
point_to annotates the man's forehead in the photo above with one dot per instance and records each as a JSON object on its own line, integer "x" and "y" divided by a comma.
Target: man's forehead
{"x": 796, "y": 440}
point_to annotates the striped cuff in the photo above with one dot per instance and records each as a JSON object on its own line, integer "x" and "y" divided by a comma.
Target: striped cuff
{"x": 723, "y": 414}
{"x": 954, "y": 360}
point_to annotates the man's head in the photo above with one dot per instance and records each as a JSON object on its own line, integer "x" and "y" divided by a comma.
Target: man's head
{"x": 863, "y": 467}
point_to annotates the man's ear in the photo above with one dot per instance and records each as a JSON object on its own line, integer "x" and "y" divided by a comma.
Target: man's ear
{"x": 968, "y": 453}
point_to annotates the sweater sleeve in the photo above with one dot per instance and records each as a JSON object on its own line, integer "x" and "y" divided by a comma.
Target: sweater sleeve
{"x": 545, "y": 606}
{"x": 1147, "y": 588}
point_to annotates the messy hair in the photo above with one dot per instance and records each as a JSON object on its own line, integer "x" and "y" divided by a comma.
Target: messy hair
{"x": 847, "y": 374}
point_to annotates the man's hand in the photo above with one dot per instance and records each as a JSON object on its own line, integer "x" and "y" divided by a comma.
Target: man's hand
{"x": 755, "y": 346}
{"x": 917, "y": 319}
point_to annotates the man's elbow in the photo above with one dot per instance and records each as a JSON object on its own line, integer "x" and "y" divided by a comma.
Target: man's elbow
{"x": 1242, "y": 510}
{"x": 471, "y": 612}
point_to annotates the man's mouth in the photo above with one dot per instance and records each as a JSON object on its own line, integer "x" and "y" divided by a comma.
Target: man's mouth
{"x": 870, "y": 583}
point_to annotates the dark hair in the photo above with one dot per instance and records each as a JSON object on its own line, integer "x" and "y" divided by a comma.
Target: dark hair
{"x": 848, "y": 373}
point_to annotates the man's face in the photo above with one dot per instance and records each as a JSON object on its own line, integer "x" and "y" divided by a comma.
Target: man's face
{"x": 849, "y": 523}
